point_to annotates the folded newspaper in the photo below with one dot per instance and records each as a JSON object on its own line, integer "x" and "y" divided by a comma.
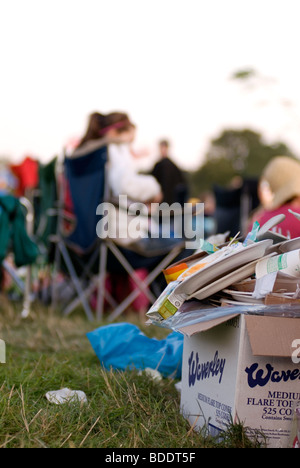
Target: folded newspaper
{"x": 224, "y": 266}
{"x": 252, "y": 275}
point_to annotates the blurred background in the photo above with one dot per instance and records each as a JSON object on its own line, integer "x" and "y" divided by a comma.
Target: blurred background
{"x": 219, "y": 80}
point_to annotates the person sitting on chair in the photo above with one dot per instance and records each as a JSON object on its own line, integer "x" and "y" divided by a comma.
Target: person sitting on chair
{"x": 117, "y": 132}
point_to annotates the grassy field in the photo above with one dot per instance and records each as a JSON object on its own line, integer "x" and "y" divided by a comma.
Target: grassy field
{"x": 47, "y": 352}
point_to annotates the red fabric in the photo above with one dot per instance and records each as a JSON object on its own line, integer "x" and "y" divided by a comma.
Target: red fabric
{"x": 120, "y": 285}
{"x": 27, "y": 174}
{"x": 68, "y": 202}
{"x": 290, "y": 227}
{"x": 141, "y": 302}
{"x": 124, "y": 285}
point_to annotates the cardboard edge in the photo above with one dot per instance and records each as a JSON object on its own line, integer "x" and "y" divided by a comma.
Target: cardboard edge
{"x": 203, "y": 326}
{"x": 272, "y": 336}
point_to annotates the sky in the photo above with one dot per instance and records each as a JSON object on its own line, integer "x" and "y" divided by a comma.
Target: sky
{"x": 167, "y": 63}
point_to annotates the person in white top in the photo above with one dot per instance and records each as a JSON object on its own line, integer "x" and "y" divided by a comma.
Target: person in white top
{"x": 123, "y": 176}
{"x": 117, "y": 132}
{"x": 125, "y": 180}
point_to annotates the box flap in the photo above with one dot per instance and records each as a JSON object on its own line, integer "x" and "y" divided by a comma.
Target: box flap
{"x": 191, "y": 330}
{"x": 272, "y": 336}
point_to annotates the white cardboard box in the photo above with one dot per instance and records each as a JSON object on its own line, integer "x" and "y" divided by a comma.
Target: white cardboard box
{"x": 241, "y": 367}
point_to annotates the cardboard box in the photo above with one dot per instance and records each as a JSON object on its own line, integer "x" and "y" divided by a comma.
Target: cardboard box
{"x": 241, "y": 367}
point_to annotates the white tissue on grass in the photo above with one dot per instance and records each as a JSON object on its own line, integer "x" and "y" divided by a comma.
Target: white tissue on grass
{"x": 153, "y": 373}
{"x": 65, "y": 395}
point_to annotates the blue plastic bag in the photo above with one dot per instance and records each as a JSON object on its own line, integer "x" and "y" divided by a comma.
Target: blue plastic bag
{"x": 123, "y": 346}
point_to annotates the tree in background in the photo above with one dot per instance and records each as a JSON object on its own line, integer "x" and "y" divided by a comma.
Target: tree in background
{"x": 236, "y": 158}
{"x": 241, "y": 153}
{"x": 244, "y": 153}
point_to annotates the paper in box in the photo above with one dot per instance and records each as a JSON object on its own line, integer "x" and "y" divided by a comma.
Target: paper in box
{"x": 207, "y": 274}
{"x": 242, "y": 369}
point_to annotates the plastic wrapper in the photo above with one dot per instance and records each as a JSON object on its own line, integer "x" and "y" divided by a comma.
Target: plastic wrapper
{"x": 123, "y": 346}
{"x": 193, "y": 312}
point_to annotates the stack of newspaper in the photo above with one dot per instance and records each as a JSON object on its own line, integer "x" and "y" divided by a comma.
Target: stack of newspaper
{"x": 252, "y": 275}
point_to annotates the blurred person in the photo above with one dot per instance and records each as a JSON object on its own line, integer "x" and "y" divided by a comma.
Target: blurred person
{"x": 94, "y": 128}
{"x": 169, "y": 176}
{"x": 279, "y": 192}
{"x": 117, "y": 132}
{"x": 209, "y": 201}
{"x": 123, "y": 175}
{"x": 227, "y": 213}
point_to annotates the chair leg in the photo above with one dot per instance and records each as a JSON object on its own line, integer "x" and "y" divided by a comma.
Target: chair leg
{"x": 25, "y": 288}
{"x": 151, "y": 277}
{"x": 94, "y": 286}
{"x": 76, "y": 282}
{"x": 27, "y": 294}
{"x": 10, "y": 270}
{"x": 57, "y": 263}
{"x": 101, "y": 281}
{"x": 124, "y": 262}
{"x": 97, "y": 284}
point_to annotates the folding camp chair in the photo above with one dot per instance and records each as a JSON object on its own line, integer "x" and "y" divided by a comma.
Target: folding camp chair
{"x": 88, "y": 184}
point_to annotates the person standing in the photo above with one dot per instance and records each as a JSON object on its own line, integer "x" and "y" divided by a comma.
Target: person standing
{"x": 170, "y": 177}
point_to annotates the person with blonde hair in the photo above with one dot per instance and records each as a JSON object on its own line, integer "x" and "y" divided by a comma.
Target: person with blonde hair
{"x": 279, "y": 192}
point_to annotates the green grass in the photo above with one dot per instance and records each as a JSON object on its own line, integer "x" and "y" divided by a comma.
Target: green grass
{"x": 48, "y": 352}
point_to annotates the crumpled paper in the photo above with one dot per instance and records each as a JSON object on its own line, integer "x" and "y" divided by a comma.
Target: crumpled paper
{"x": 152, "y": 373}
{"x": 65, "y": 395}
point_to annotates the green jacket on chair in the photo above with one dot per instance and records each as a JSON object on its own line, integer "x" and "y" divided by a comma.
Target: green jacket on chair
{"x": 13, "y": 234}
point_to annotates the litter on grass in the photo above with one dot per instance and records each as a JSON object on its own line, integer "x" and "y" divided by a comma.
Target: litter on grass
{"x": 123, "y": 346}
{"x": 65, "y": 395}
{"x": 152, "y": 373}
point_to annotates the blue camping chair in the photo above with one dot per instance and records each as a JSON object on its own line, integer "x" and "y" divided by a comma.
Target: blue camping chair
{"x": 79, "y": 249}
{"x": 88, "y": 184}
